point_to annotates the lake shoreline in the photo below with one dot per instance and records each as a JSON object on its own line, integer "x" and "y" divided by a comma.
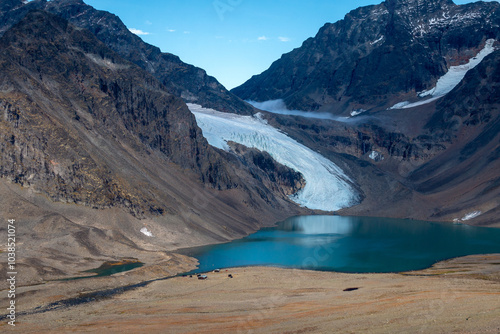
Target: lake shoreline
{"x": 52, "y": 293}
{"x": 348, "y": 245}
{"x": 266, "y": 299}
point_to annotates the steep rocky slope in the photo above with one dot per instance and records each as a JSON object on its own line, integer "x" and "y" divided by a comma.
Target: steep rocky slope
{"x": 82, "y": 126}
{"x": 181, "y": 79}
{"x": 469, "y": 170}
{"x": 59, "y": 85}
{"x": 377, "y": 56}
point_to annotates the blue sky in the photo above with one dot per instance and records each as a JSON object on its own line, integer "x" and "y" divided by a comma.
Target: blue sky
{"x": 231, "y": 39}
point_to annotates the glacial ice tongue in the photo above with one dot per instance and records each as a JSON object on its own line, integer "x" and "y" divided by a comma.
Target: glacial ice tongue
{"x": 327, "y": 187}
{"x": 279, "y": 107}
{"x": 455, "y": 74}
{"x": 450, "y": 79}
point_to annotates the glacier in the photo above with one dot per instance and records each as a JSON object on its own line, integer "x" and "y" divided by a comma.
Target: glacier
{"x": 455, "y": 74}
{"x": 279, "y": 107}
{"x": 450, "y": 79}
{"x": 327, "y": 187}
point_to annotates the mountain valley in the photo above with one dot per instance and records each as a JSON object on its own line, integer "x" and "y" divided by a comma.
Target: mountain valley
{"x": 113, "y": 151}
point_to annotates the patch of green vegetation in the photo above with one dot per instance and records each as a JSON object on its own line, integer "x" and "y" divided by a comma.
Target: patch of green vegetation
{"x": 113, "y": 267}
{"x": 109, "y": 268}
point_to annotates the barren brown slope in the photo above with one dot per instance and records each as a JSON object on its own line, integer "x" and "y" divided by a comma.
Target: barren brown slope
{"x": 81, "y": 125}
{"x": 467, "y": 176}
{"x": 455, "y": 296}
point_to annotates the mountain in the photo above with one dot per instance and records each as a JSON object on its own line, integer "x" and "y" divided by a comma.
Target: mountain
{"x": 377, "y": 56}
{"x": 469, "y": 170}
{"x": 417, "y": 85}
{"x": 181, "y": 79}
{"x": 437, "y": 161}
{"x": 80, "y": 125}
{"x": 61, "y": 81}
{"x": 101, "y": 159}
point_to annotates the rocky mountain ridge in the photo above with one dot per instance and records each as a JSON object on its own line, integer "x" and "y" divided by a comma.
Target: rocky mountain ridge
{"x": 376, "y": 56}
{"x": 437, "y": 161}
{"x": 78, "y": 120}
{"x": 181, "y": 79}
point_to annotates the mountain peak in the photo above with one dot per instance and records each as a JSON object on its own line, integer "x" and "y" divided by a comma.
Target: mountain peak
{"x": 418, "y": 7}
{"x": 7, "y": 5}
{"x": 64, "y": 2}
{"x": 351, "y": 63}
{"x": 419, "y": 3}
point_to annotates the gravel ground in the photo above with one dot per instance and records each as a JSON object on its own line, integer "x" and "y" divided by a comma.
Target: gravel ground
{"x": 456, "y": 296}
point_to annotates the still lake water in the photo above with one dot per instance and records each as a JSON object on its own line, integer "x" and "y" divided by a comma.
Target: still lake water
{"x": 350, "y": 244}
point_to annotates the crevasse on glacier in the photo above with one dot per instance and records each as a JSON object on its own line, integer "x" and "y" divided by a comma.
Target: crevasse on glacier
{"x": 327, "y": 187}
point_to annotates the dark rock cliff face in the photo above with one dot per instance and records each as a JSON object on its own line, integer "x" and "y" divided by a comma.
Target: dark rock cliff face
{"x": 376, "y": 55}
{"x": 58, "y": 79}
{"x": 469, "y": 118}
{"x": 181, "y": 79}
{"x": 80, "y": 124}
{"x": 263, "y": 167}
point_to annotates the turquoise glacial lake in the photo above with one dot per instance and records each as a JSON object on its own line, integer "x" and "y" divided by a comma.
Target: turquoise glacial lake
{"x": 350, "y": 244}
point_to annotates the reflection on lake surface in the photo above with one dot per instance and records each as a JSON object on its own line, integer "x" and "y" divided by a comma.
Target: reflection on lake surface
{"x": 350, "y": 244}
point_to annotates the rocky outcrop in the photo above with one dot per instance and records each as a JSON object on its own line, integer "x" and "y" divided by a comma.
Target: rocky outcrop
{"x": 273, "y": 175}
{"x": 376, "y": 56}
{"x": 181, "y": 79}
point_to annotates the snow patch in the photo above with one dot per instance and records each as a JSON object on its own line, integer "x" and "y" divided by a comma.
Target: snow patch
{"x": 400, "y": 105}
{"x": 376, "y": 156}
{"x": 327, "y": 187}
{"x": 378, "y": 40}
{"x": 469, "y": 216}
{"x": 407, "y": 104}
{"x": 146, "y": 232}
{"x": 450, "y": 80}
{"x": 455, "y": 74}
{"x": 357, "y": 112}
{"x": 279, "y": 107}
{"x": 460, "y": 19}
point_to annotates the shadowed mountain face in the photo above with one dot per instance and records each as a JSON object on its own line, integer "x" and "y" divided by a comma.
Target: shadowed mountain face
{"x": 469, "y": 117}
{"x": 63, "y": 93}
{"x": 82, "y": 125}
{"x": 181, "y": 79}
{"x": 376, "y": 56}
{"x": 99, "y": 162}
